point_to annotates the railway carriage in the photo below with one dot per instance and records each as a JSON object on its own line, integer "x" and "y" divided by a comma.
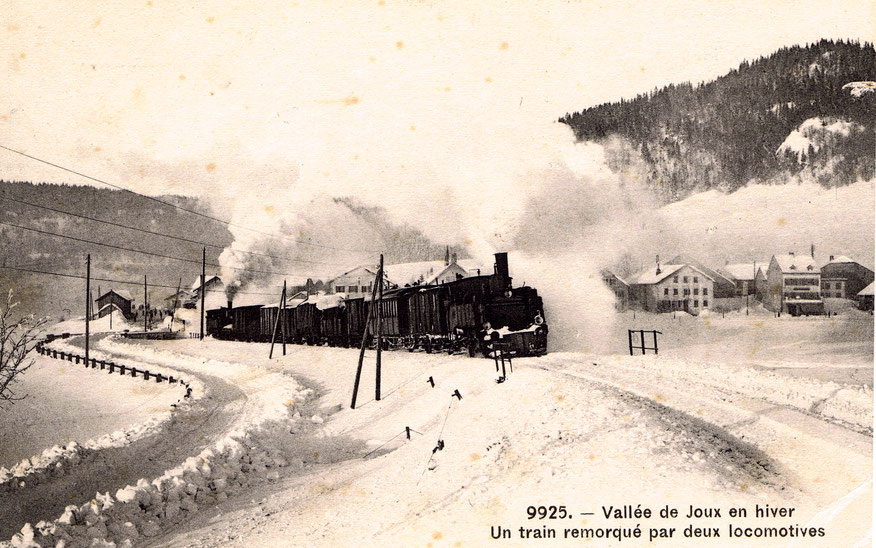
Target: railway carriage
{"x": 474, "y": 313}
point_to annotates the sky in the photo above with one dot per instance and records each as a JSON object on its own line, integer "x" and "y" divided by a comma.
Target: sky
{"x": 443, "y": 112}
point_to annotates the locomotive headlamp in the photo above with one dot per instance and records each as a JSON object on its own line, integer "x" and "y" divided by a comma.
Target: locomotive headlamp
{"x": 508, "y": 293}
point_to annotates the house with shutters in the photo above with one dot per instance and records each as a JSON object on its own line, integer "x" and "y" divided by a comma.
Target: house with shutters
{"x": 843, "y": 278}
{"x": 793, "y": 285}
{"x": 666, "y": 288}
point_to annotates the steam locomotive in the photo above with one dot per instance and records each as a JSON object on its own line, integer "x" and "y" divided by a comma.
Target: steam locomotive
{"x": 471, "y": 314}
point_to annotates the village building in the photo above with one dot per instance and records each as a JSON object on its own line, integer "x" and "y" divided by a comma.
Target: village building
{"x": 724, "y": 287}
{"x": 619, "y": 287}
{"x": 359, "y": 281}
{"x": 181, "y": 298}
{"x": 673, "y": 287}
{"x": 115, "y": 300}
{"x": 744, "y": 276}
{"x": 843, "y": 278}
{"x": 355, "y": 283}
{"x": 865, "y": 298}
{"x": 793, "y": 285}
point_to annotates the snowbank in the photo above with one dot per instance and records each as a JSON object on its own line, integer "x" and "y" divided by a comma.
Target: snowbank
{"x": 58, "y": 460}
{"x": 250, "y": 452}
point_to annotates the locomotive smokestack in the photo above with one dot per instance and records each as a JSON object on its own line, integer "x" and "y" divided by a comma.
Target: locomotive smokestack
{"x": 501, "y": 269}
{"x": 229, "y": 304}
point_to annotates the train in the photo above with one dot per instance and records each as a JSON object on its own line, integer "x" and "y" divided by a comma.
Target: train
{"x": 470, "y": 314}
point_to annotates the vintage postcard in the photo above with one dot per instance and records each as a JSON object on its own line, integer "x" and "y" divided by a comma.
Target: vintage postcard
{"x": 409, "y": 273}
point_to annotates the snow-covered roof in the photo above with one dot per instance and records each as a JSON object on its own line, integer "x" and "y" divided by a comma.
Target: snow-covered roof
{"x": 791, "y": 263}
{"x": 410, "y": 273}
{"x": 867, "y": 290}
{"x": 196, "y": 285}
{"x": 123, "y": 293}
{"x": 369, "y": 270}
{"x": 328, "y": 301}
{"x": 606, "y": 272}
{"x": 652, "y": 277}
{"x": 839, "y": 259}
{"x": 743, "y": 271}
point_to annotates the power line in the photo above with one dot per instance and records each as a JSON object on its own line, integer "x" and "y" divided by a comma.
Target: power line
{"x": 160, "y": 255}
{"x": 193, "y": 212}
{"x": 110, "y": 280}
{"x": 180, "y": 238}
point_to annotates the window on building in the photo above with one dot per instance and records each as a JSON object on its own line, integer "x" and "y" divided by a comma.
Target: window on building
{"x": 684, "y": 279}
{"x": 675, "y": 291}
{"x": 696, "y": 303}
{"x": 666, "y": 291}
{"x": 686, "y": 291}
{"x": 696, "y": 291}
{"x": 705, "y": 291}
{"x": 339, "y": 289}
{"x": 675, "y": 279}
{"x": 696, "y": 279}
{"x": 364, "y": 289}
{"x": 353, "y": 289}
{"x": 705, "y": 303}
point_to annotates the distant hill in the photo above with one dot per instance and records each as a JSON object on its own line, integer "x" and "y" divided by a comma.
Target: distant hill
{"x": 795, "y": 111}
{"x": 64, "y": 297}
{"x": 31, "y": 250}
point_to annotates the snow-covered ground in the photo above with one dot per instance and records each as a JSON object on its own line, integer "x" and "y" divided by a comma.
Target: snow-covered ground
{"x": 66, "y": 402}
{"x": 707, "y": 423}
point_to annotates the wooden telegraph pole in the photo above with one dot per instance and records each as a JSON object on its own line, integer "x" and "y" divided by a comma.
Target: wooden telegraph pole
{"x": 175, "y": 303}
{"x": 145, "y": 306}
{"x": 203, "y": 290}
{"x": 379, "y": 328}
{"x": 280, "y": 312}
{"x": 87, "y": 305}
{"x": 277, "y": 323}
{"x": 373, "y": 312}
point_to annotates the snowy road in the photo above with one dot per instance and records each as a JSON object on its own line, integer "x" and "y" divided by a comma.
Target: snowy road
{"x": 186, "y": 434}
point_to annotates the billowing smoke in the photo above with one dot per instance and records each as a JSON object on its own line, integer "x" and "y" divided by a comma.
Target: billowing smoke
{"x": 564, "y": 210}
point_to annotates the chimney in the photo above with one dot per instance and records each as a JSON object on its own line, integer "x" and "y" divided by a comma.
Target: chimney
{"x": 791, "y": 253}
{"x": 812, "y": 250}
{"x": 502, "y": 280}
{"x": 229, "y": 304}
{"x": 658, "y": 265}
{"x": 831, "y": 257}
{"x": 446, "y": 255}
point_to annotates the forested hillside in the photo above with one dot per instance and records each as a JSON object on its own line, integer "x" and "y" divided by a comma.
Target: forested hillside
{"x": 41, "y": 208}
{"x": 51, "y": 228}
{"x": 782, "y": 114}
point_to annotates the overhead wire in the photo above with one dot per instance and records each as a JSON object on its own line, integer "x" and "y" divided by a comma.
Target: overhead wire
{"x": 181, "y": 208}
{"x": 162, "y": 234}
{"x": 111, "y": 280}
{"x": 150, "y": 253}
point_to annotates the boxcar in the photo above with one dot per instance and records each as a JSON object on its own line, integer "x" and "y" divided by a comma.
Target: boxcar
{"x": 305, "y": 323}
{"x": 333, "y": 325}
{"x": 246, "y": 322}
{"x": 356, "y": 313}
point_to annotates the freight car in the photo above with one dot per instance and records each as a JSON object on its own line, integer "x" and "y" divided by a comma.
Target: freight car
{"x": 470, "y": 314}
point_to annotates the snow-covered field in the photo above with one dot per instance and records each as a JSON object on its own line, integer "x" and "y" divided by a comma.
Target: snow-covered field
{"x": 707, "y": 423}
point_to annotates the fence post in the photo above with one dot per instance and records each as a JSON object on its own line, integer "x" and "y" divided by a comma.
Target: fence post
{"x": 655, "y": 342}
{"x": 630, "y": 336}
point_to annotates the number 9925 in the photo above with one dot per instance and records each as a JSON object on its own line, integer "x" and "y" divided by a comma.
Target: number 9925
{"x": 546, "y": 512}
